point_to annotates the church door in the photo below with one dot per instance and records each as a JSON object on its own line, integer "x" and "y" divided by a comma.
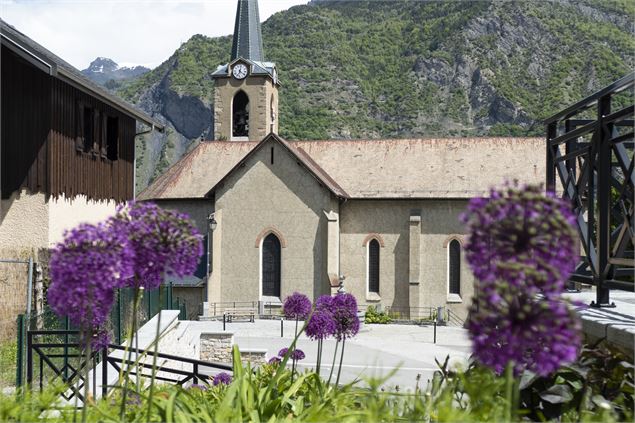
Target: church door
{"x": 271, "y": 266}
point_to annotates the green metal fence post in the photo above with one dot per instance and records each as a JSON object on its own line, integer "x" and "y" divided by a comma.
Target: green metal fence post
{"x": 119, "y": 316}
{"x": 67, "y": 326}
{"x": 20, "y": 349}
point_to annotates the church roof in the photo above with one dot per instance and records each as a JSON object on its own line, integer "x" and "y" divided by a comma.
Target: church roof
{"x": 373, "y": 169}
{"x": 302, "y": 158}
{"x": 247, "y": 42}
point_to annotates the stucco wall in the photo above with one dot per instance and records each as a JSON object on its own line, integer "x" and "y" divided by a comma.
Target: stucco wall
{"x": 261, "y": 195}
{"x": 65, "y": 214}
{"x": 390, "y": 220}
{"x": 260, "y": 90}
{"x": 24, "y": 220}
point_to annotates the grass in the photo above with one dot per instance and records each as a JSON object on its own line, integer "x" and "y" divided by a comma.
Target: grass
{"x": 8, "y": 356}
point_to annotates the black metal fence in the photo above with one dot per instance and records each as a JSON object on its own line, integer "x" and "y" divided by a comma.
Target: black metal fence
{"x": 119, "y": 322}
{"x": 590, "y": 154}
{"x": 55, "y": 356}
{"x": 265, "y": 310}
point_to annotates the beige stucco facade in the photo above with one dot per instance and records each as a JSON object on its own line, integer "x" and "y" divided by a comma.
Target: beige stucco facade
{"x": 413, "y": 237}
{"x": 24, "y": 219}
{"x": 31, "y": 221}
{"x": 263, "y": 197}
{"x": 263, "y": 105}
{"x": 67, "y": 213}
{"x": 322, "y": 236}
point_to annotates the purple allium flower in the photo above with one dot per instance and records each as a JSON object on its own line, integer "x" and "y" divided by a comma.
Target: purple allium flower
{"x": 283, "y": 352}
{"x": 165, "y": 242}
{"x": 521, "y": 236}
{"x": 297, "y": 355}
{"x": 100, "y": 339}
{"x": 297, "y": 306}
{"x": 321, "y": 324}
{"x": 344, "y": 309}
{"x": 274, "y": 360}
{"x": 224, "y": 378}
{"x": 535, "y": 334}
{"x": 324, "y": 302}
{"x": 199, "y": 387}
{"x": 85, "y": 268}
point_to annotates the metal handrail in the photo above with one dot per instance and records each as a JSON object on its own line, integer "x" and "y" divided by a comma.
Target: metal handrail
{"x": 585, "y": 103}
{"x": 75, "y": 380}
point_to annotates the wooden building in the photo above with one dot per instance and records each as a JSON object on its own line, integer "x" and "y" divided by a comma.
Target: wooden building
{"x": 67, "y": 146}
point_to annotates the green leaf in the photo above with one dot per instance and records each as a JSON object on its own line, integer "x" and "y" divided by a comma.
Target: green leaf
{"x": 526, "y": 379}
{"x": 557, "y": 394}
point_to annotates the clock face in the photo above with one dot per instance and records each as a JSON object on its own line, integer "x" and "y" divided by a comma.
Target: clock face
{"x": 239, "y": 71}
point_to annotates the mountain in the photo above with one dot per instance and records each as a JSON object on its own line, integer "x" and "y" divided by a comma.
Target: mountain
{"x": 106, "y": 72}
{"x": 371, "y": 69}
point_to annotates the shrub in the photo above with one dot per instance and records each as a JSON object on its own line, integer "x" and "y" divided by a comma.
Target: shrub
{"x": 373, "y": 316}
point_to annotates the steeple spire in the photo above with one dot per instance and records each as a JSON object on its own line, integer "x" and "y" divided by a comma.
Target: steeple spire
{"x": 247, "y": 33}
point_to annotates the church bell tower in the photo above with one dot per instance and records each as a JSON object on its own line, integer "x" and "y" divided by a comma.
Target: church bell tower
{"x": 246, "y": 89}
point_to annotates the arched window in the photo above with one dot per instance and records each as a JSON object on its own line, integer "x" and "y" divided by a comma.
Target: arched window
{"x": 373, "y": 266}
{"x": 240, "y": 115}
{"x": 271, "y": 266}
{"x": 454, "y": 267}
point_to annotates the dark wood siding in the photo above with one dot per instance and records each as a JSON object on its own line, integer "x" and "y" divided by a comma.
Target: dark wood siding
{"x": 40, "y": 117}
{"x": 25, "y": 124}
{"x": 74, "y": 171}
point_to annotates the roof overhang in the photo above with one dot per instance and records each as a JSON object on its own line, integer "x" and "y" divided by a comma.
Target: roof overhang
{"x": 46, "y": 61}
{"x": 255, "y": 69}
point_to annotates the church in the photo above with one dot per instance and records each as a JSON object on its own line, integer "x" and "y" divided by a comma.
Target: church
{"x": 377, "y": 218}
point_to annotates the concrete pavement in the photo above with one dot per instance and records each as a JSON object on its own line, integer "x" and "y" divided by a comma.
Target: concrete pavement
{"x": 375, "y": 352}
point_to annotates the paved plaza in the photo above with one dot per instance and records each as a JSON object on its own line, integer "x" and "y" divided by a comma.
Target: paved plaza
{"x": 374, "y": 352}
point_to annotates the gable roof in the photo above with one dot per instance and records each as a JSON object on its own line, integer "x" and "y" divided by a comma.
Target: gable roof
{"x": 314, "y": 169}
{"x": 50, "y": 63}
{"x": 372, "y": 169}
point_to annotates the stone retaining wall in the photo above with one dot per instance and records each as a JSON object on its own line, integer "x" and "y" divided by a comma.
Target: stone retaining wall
{"x": 255, "y": 357}
{"x": 217, "y": 346}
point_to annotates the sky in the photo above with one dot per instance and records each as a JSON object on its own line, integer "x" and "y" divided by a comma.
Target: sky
{"x": 130, "y": 32}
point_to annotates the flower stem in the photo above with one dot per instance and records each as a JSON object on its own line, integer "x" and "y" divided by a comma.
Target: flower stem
{"x": 339, "y": 370}
{"x": 319, "y": 357}
{"x": 88, "y": 339}
{"x": 131, "y": 334}
{"x": 509, "y": 392}
{"x": 337, "y": 344}
{"x": 154, "y": 358}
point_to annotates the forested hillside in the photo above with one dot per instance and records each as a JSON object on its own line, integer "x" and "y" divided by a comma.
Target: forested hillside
{"x": 376, "y": 69}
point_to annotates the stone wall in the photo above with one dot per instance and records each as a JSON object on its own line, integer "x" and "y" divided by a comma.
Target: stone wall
{"x": 216, "y": 346}
{"x": 254, "y": 357}
{"x": 263, "y": 96}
